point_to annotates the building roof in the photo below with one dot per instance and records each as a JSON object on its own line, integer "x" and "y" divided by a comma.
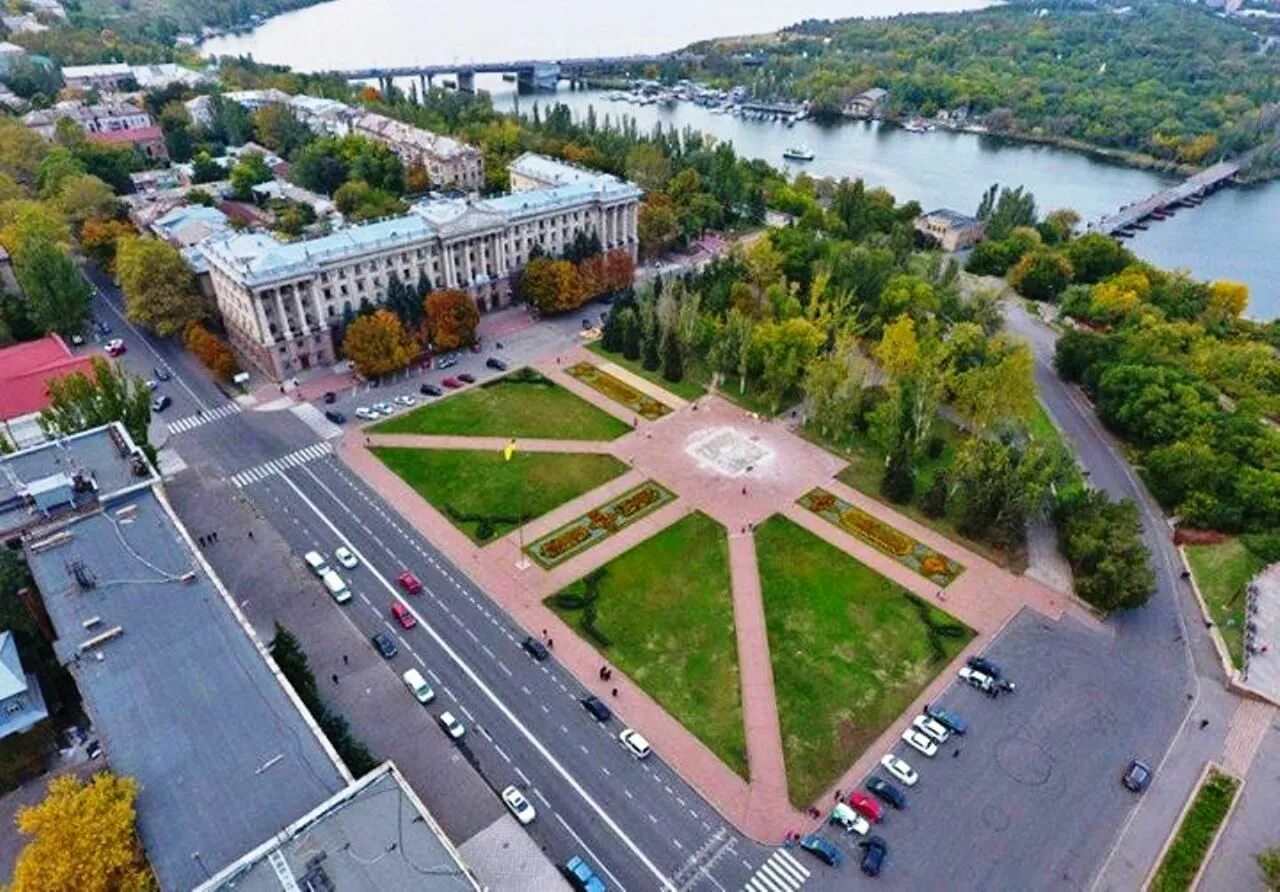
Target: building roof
{"x": 13, "y": 678}
{"x": 554, "y": 172}
{"x": 89, "y": 72}
{"x": 951, "y": 218}
{"x": 20, "y": 692}
{"x": 135, "y": 134}
{"x": 373, "y": 835}
{"x": 165, "y": 73}
{"x": 190, "y": 223}
{"x": 11, "y": 49}
{"x": 26, "y": 370}
{"x": 392, "y": 131}
{"x": 183, "y": 698}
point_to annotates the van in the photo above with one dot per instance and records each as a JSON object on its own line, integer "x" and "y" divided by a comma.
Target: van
{"x": 418, "y": 686}
{"x": 315, "y": 560}
{"x": 336, "y": 586}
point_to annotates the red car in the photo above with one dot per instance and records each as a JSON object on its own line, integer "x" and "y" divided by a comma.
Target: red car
{"x": 866, "y": 806}
{"x": 409, "y": 583}
{"x": 116, "y": 347}
{"x": 403, "y": 616}
{"x": 451, "y": 383}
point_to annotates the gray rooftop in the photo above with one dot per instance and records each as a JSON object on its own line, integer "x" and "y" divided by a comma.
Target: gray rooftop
{"x": 374, "y": 835}
{"x": 182, "y": 698}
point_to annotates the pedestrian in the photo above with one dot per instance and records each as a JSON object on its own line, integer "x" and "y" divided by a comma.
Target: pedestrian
{"x": 955, "y": 753}
{"x": 346, "y": 661}
{"x": 251, "y": 534}
{"x": 335, "y": 678}
{"x": 838, "y": 794}
{"x": 1204, "y": 723}
{"x": 615, "y": 692}
{"x": 544, "y": 633}
{"x": 744, "y": 490}
{"x": 551, "y": 644}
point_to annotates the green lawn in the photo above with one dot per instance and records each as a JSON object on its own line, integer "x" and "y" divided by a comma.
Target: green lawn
{"x": 1221, "y": 572}
{"x": 477, "y": 488}
{"x": 690, "y": 388}
{"x": 1195, "y": 834}
{"x": 522, "y": 404}
{"x": 850, "y": 650}
{"x": 666, "y": 610}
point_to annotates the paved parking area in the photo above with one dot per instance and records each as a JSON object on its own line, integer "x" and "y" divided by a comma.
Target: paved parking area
{"x": 1041, "y": 764}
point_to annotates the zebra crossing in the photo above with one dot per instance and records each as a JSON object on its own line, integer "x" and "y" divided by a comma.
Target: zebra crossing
{"x": 278, "y": 465}
{"x": 781, "y": 873}
{"x": 187, "y": 422}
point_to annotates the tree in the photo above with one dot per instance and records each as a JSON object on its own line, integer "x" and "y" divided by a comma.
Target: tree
{"x": 1002, "y": 210}
{"x": 377, "y": 344}
{"x": 1152, "y": 405}
{"x": 79, "y": 402}
{"x": 1103, "y": 542}
{"x": 1095, "y": 257}
{"x": 58, "y": 296}
{"x": 998, "y": 390}
{"x": 99, "y": 239}
{"x": 1227, "y": 300}
{"x": 1269, "y": 863}
{"x": 650, "y": 337}
{"x": 833, "y": 389}
{"x": 160, "y": 291}
{"x": 784, "y": 349}
{"x": 54, "y": 168}
{"x": 249, "y": 170}
{"x": 204, "y": 169}
{"x": 83, "y": 837}
{"x": 416, "y": 179}
{"x": 279, "y": 129}
{"x": 84, "y": 196}
{"x": 899, "y": 350}
{"x": 648, "y": 167}
{"x": 551, "y": 286}
{"x": 210, "y": 350}
{"x": 1041, "y": 274}
{"x": 29, "y": 223}
{"x": 451, "y": 319}
{"x": 657, "y": 224}
{"x": 1000, "y": 486}
{"x": 672, "y": 359}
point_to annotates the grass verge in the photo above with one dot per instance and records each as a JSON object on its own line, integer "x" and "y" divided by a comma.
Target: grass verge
{"x": 691, "y": 387}
{"x": 1222, "y": 571}
{"x": 850, "y": 651}
{"x": 1196, "y": 833}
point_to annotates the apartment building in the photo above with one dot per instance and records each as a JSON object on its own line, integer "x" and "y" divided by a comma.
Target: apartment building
{"x": 450, "y": 164}
{"x": 114, "y": 122}
{"x": 280, "y": 300}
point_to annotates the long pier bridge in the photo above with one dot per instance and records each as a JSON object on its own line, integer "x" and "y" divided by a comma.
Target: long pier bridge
{"x": 1189, "y": 191}
{"x": 536, "y": 74}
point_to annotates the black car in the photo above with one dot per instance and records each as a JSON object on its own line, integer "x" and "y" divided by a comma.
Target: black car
{"x": 162, "y": 373}
{"x": 1137, "y": 777}
{"x": 430, "y": 390}
{"x": 330, "y": 397}
{"x": 535, "y": 648}
{"x": 982, "y": 664}
{"x": 383, "y": 644}
{"x": 104, "y": 328}
{"x": 887, "y": 791}
{"x": 160, "y": 403}
{"x": 467, "y": 378}
{"x": 335, "y": 416}
{"x": 597, "y": 708}
{"x": 496, "y": 364}
{"x": 949, "y": 719}
{"x": 874, "y": 850}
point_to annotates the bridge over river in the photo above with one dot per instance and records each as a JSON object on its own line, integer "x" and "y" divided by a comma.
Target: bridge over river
{"x": 1189, "y": 191}
{"x": 542, "y": 74}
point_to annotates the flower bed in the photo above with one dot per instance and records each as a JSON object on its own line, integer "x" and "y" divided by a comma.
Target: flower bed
{"x": 879, "y": 535}
{"x": 618, "y": 390}
{"x": 598, "y": 524}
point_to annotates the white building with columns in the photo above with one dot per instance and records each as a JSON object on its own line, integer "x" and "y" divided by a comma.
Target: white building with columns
{"x": 280, "y": 301}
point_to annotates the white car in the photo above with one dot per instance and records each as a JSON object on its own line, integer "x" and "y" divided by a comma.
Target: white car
{"x": 366, "y": 414}
{"x": 520, "y": 807}
{"x": 405, "y": 400}
{"x": 899, "y": 769}
{"x": 451, "y": 726}
{"x": 384, "y": 408}
{"x": 850, "y": 820}
{"x": 920, "y": 742}
{"x": 932, "y": 727}
{"x": 344, "y": 556}
{"x": 635, "y": 744}
{"x": 980, "y": 680}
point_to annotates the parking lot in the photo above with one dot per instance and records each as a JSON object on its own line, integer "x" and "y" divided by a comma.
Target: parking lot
{"x": 1043, "y": 763}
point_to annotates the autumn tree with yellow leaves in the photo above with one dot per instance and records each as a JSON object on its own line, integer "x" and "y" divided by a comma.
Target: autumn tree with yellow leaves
{"x": 378, "y": 344}
{"x": 83, "y": 838}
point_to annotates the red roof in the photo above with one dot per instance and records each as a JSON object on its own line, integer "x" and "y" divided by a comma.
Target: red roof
{"x": 26, "y": 370}
{"x": 139, "y": 134}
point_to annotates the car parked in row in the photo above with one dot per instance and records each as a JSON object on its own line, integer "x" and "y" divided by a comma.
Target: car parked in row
{"x": 383, "y": 644}
{"x": 597, "y": 707}
{"x": 822, "y": 850}
{"x": 446, "y": 362}
{"x": 866, "y": 806}
{"x": 899, "y": 769}
{"x": 849, "y": 820}
{"x": 931, "y": 727}
{"x": 519, "y": 806}
{"x": 451, "y": 383}
{"x": 874, "y": 850}
{"x": 467, "y": 378}
{"x": 316, "y": 562}
{"x": 581, "y": 877}
{"x": 535, "y": 648}
{"x": 430, "y": 390}
{"x": 384, "y": 408}
{"x": 887, "y": 791}
{"x": 162, "y": 373}
{"x": 985, "y": 666}
{"x": 976, "y": 678}
{"x": 405, "y": 399}
{"x": 950, "y": 719}
{"x": 920, "y": 742}
{"x": 496, "y": 364}
{"x": 335, "y": 416}
{"x": 452, "y": 727}
{"x": 365, "y": 414}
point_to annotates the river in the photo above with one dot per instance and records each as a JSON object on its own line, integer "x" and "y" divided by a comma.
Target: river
{"x": 1233, "y": 235}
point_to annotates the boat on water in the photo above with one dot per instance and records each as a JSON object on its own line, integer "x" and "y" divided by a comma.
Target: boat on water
{"x": 915, "y": 125}
{"x": 798, "y": 153}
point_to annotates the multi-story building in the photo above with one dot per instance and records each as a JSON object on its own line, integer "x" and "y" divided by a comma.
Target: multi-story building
{"x": 280, "y": 300}
{"x": 106, "y": 122}
{"x": 111, "y": 76}
{"x": 450, "y": 164}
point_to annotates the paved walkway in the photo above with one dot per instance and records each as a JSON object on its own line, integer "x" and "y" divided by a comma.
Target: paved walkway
{"x": 774, "y": 468}
{"x": 1262, "y": 667}
{"x": 484, "y": 444}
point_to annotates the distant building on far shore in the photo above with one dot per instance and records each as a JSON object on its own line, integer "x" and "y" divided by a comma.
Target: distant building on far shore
{"x": 866, "y": 104}
{"x": 952, "y": 230}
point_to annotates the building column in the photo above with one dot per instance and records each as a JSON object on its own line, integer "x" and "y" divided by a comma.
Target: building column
{"x": 282, "y": 320}
{"x": 264, "y": 335}
{"x": 450, "y": 276}
{"x": 302, "y": 316}
{"x": 468, "y": 269}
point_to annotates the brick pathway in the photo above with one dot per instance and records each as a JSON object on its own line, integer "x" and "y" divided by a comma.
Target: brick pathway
{"x": 1248, "y": 726}
{"x": 985, "y": 596}
{"x": 485, "y": 444}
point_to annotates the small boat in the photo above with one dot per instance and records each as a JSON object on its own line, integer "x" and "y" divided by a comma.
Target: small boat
{"x": 915, "y": 125}
{"x": 798, "y": 153}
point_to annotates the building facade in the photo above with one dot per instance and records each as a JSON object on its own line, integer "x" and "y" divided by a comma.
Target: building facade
{"x": 450, "y": 164}
{"x": 115, "y": 123}
{"x": 951, "y": 230}
{"x": 280, "y": 301}
{"x": 111, "y": 76}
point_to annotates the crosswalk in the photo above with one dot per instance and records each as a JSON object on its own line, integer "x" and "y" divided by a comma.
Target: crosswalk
{"x": 188, "y": 422}
{"x": 781, "y": 873}
{"x": 278, "y": 465}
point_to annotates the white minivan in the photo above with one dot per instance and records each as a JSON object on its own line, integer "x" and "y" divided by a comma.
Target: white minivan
{"x": 336, "y": 586}
{"x": 414, "y": 681}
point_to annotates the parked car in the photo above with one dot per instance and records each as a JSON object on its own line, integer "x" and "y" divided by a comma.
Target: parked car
{"x": 346, "y": 557}
{"x": 430, "y": 390}
{"x": 160, "y": 403}
{"x": 366, "y": 414}
{"x": 104, "y": 327}
{"x": 874, "y": 850}
{"x": 920, "y": 742}
{"x": 822, "y": 850}
{"x": 77, "y": 340}
{"x": 535, "y": 648}
{"x": 330, "y": 397}
{"x": 409, "y": 582}
{"x": 985, "y": 666}
{"x": 451, "y": 383}
{"x": 581, "y": 877}
{"x": 948, "y": 718}
{"x": 315, "y": 560}
{"x": 418, "y": 686}
{"x": 152, "y": 385}
{"x": 496, "y": 364}
{"x": 162, "y": 373}
{"x": 635, "y": 744}
{"x": 335, "y": 416}
{"x": 384, "y": 408}
{"x": 977, "y": 679}
{"x": 520, "y": 807}
{"x": 597, "y": 708}
{"x": 405, "y": 400}
{"x": 933, "y": 728}
{"x": 383, "y": 644}
{"x": 1137, "y": 777}
{"x": 848, "y": 819}
{"x": 403, "y": 616}
{"x": 467, "y": 378}
{"x": 445, "y": 362}
{"x": 115, "y": 347}
{"x": 887, "y": 791}
{"x": 451, "y": 725}
{"x": 866, "y": 806}
{"x": 898, "y": 768}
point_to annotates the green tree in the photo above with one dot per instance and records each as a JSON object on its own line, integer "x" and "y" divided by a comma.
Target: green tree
{"x": 672, "y": 359}
{"x": 1003, "y": 210}
{"x": 79, "y": 402}
{"x": 249, "y": 170}
{"x": 1269, "y": 864}
{"x": 1095, "y": 257}
{"x": 56, "y": 293}
{"x": 160, "y": 291}
{"x": 1041, "y": 275}
{"x": 784, "y": 350}
{"x": 1103, "y": 542}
